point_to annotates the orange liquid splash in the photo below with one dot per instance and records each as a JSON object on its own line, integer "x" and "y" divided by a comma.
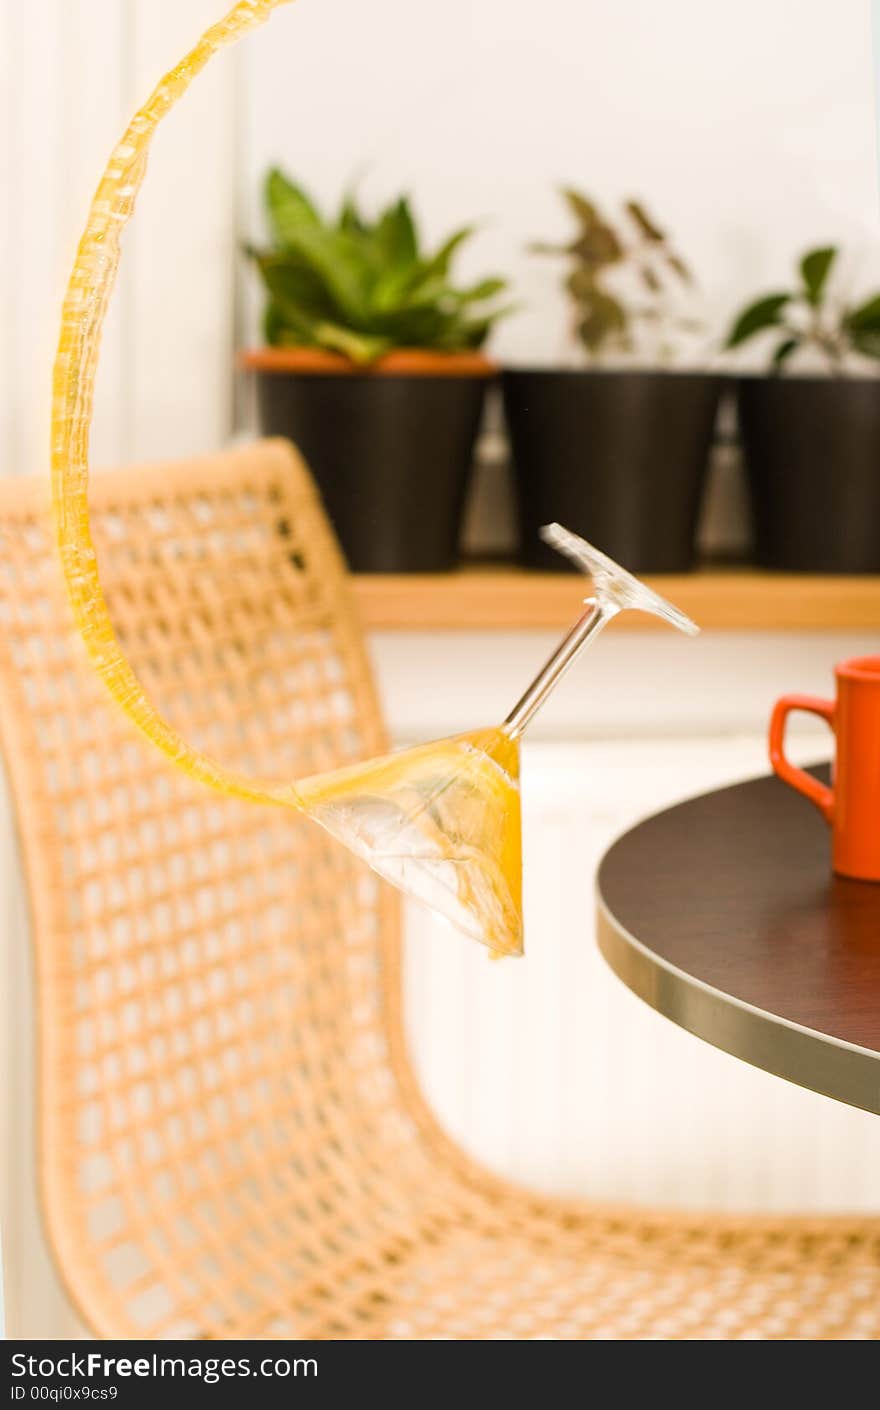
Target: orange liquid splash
{"x": 442, "y": 821}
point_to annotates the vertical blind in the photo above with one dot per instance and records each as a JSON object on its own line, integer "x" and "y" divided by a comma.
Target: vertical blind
{"x": 72, "y": 73}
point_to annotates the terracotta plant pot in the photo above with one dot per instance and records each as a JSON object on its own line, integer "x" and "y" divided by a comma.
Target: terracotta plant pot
{"x": 812, "y": 452}
{"x": 390, "y": 445}
{"x": 620, "y": 457}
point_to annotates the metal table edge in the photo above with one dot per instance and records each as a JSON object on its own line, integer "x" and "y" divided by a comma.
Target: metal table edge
{"x": 805, "y": 1056}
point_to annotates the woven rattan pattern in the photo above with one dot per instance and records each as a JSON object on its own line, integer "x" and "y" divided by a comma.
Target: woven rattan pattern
{"x": 232, "y": 1144}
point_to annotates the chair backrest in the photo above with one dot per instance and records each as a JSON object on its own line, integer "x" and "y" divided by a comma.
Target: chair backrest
{"x": 216, "y": 979}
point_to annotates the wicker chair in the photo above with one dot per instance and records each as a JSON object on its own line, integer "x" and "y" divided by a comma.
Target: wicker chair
{"x": 232, "y": 1143}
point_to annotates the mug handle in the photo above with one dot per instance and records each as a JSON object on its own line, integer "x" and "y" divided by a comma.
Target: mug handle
{"x": 817, "y": 792}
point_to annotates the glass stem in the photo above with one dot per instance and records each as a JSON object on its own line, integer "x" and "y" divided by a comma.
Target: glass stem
{"x": 597, "y": 615}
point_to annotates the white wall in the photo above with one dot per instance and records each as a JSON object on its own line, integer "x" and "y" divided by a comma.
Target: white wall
{"x": 749, "y": 127}
{"x": 71, "y": 73}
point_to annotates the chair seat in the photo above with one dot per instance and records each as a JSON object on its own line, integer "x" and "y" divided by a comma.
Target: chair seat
{"x": 624, "y": 1280}
{"x": 466, "y": 1256}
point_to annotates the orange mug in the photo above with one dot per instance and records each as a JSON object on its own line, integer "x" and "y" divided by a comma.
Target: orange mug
{"x": 852, "y": 804}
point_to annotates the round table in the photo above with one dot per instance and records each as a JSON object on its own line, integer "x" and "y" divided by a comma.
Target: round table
{"x": 723, "y": 914}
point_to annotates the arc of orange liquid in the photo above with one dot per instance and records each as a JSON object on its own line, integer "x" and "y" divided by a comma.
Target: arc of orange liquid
{"x": 82, "y": 320}
{"x": 470, "y": 867}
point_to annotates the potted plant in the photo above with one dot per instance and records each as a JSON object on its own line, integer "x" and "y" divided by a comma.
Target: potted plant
{"x": 372, "y": 367}
{"x": 617, "y": 449}
{"x": 812, "y": 440}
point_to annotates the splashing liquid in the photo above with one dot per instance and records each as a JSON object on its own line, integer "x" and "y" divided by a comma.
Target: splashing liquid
{"x": 442, "y": 821}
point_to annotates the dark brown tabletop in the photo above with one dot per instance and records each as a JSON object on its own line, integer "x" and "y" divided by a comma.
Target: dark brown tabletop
{"x": 723, "y": 914}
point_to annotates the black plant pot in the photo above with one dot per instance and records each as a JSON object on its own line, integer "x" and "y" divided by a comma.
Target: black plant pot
{"x": 812, "y": 451}
{"x": 619, "y": 457}
{"x": 391, "y": 454}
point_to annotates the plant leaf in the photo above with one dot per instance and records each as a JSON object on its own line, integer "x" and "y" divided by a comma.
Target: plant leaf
{"x": 545, "y": 247}
{"x": 473, "y": 332}
{"x": 581, "y": 207}
{"x": 336, "y": 260}
{"x": 396, "y": 237}
{"x": 597, "y": 243}
{"x": 581, "y": 283}
{"x": 439, "y": 263}
{"x": 360, "y": 347}
{"x": 815, "y": 268}
{"x": 783, "y": 352}
{"x": 288, "y": 207}
{"x": 299, "y": 330}
{"x": 868, "y": 344}
{"x": 360, "y": 286}
{"x": 484, "y": 289}
{"x": 637, "y": 213}
{"x": 862, "y": 324}
{"x": 423, "y": 280}
{"x": 294, "y": 287}
{"x": 764, "y": 313}
{"x": 677, "y": 264}
{"x": 274, "y": 323}
{"x": 286, "y": 326}
{"x": 602, "y": 318}
{"x": 866, "y": 317}
{"x": 597, "y": 248}
{"x": 350, "y": 219}
{"x": 393, "y": 289}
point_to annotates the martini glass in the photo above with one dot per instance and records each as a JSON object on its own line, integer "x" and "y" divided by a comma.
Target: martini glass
{"x": 442, "y": 821}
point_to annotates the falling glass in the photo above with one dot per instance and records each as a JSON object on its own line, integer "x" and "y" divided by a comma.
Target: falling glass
{"x": 442, "y": 821}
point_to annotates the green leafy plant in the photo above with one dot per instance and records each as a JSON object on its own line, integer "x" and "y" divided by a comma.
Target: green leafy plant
{"x": 622, "y": 278}
{"x": 810, "y": 317}
{"x": 363, "y": 287}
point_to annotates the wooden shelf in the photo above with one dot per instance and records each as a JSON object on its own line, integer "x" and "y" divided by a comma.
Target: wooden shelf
{"x": 510, "y": 599}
